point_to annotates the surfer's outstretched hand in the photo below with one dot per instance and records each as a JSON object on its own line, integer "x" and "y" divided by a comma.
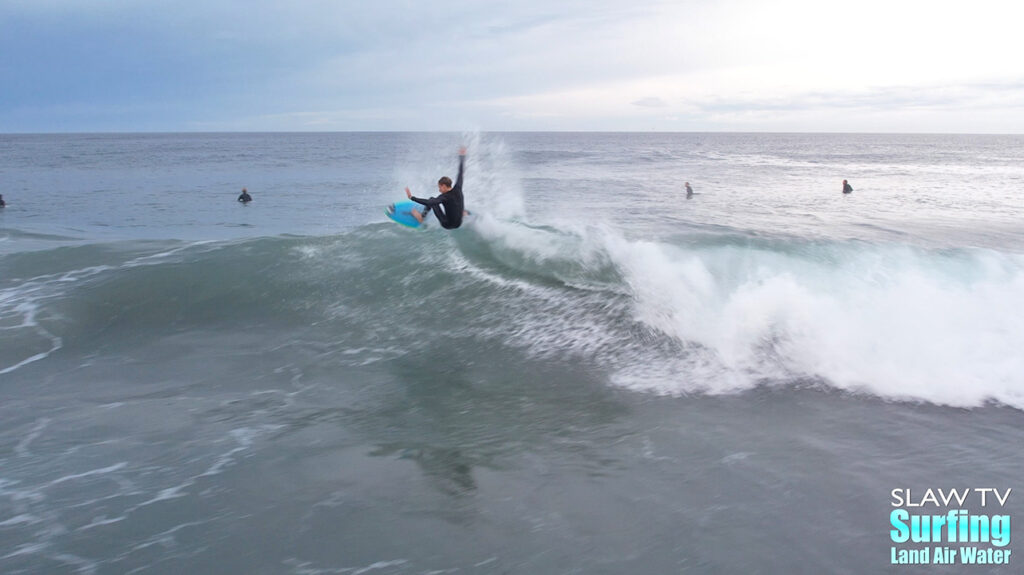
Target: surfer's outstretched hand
{"x": 462, "y": 150}
{"x": 408, "y": 194}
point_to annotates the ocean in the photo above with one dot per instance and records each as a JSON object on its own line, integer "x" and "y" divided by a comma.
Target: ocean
{"x": 593, "y": 375}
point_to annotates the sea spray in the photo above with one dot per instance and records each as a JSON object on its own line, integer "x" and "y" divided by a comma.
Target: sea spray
{"x": 911, "y": 323}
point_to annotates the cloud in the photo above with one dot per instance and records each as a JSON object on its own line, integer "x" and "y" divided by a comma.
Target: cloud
{"x": 956, "y": 97}
{"x": 599, "y": 64}
{"x": 650, "y": 102}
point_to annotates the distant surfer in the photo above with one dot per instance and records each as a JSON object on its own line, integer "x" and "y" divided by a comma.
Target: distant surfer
{"x": 847, "y": 188}
{"x": 689, "y": 191}
{"x": 2, "y": 202}
{"x": 245, "y": 198}
{"x": 448, "y": 207}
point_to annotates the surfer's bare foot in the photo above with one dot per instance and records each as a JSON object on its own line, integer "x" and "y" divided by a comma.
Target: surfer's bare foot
{"x": 416, "y": 214}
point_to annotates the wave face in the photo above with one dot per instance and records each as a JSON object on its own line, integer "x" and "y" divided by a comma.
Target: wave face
{"x": 684, "y": 314}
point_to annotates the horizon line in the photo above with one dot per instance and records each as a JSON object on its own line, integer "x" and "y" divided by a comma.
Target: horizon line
{"x": 667, "y": 132}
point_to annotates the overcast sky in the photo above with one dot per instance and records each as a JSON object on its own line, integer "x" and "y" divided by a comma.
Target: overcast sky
{"x": 454, "y": 65}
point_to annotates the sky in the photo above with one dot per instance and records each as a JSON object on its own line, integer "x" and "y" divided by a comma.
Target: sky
{"x": 523, "y": 65}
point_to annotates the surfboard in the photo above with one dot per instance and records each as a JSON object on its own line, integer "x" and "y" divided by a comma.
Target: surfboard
{"x": 401, "y": 213}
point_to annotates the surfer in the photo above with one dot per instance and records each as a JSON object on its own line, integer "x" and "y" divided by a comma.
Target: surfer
{"x": 245, "y": 198}
{"x": 689, "y": 191}
{"x": 847, "y": 188}
{"x": 448, "y": 207}
{"x": 2, "y": 202}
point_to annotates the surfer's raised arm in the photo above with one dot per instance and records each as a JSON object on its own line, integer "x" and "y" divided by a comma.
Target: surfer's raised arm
{"x": 462, "y": 168}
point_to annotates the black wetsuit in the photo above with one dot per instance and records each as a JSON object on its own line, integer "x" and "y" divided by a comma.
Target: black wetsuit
{"x": 245, "y": 198}
{"x": 448, "y": 206}
{"x": 847, "y": 188}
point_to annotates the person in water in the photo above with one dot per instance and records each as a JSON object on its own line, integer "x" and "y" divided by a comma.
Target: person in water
{"x": 245, "y": 198}
{"x": 847, "y": 188}
{"x": 689, "y": 191}
{"x": 2, "y": 202}
{"x": 448, "y": 207}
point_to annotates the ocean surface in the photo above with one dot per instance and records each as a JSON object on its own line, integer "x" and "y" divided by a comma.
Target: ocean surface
{"x": 594, "y": 375}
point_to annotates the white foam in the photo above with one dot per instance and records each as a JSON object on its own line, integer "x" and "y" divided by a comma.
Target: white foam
{"x": 101, "y": 521}
{"x": 100, "y": 471}
{"x": 165, "y": 495}
{"x": 165, "y": 538}
{"x": 21, "y": 450}
{"x": 21, "y": 303}
{"x": 379, "y": 565}
{"x": 27, "y": 549}
{"x": 33, "y": 358}
{"x": 306, "y": 568}
{"x": 83, "y": 566}
{"x": 22, "y": 519}
{"x": 19, "y": 496}
{"x": 900, "y": 322}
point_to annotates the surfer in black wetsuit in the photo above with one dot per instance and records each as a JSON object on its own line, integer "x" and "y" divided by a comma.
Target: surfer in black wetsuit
{"x": 2, "y": 202}
{"x": 245, "y": 198}
{"x": 448, "y": 207}
{"x": 847, "y": 188}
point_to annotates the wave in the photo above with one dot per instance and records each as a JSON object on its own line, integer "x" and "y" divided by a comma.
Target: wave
{"x": 733, "y": 312}
{"x": 689, "y": 314}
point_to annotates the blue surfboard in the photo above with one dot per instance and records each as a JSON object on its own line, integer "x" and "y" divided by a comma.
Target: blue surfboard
{"x": 401, "y": 212}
